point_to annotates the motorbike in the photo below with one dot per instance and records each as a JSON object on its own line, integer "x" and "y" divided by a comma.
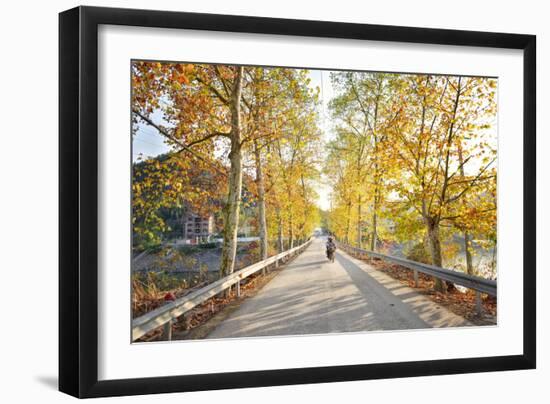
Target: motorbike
{"x": 330, "y": 255}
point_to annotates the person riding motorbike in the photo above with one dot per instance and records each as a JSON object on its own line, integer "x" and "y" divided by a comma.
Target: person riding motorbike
{"x": 331, "y": 249}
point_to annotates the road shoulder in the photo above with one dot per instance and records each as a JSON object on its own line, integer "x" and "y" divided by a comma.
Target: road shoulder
{"x": 208, "y": 325}
{"x": 435, "y": 315}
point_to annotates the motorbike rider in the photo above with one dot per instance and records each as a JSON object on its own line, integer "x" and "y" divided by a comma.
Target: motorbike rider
{"x": 330, "y": 247}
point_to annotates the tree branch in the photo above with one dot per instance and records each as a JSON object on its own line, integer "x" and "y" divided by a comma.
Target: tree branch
{"x": 216, "y": 92}
{"x": 206, "y": 137}
{"x": 472, "y": 183}
{"x": 224, "y": 84}
{"x": 183, "y": 146}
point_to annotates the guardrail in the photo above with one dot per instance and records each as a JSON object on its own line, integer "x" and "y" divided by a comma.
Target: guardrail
{"x": 480, "y": 285}
{"x": 165, "y": 315}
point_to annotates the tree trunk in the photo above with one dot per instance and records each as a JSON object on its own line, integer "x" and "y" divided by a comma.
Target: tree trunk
{"x": 290, "y": 233}
{"x": 467, "y": 238}
{"x": 231, "y": 211}
{"x": 231, "y": 222}
{"x": 374, "y": 239}
{"x": 432, "y": 226}
{"x": 184, "y": 223}
{"x": 280, "y": 231}
{"x": 494, "y": 259}
{"x": 348, "y": 222}
{"x": 302, "y": 232}
{"x": 374, "y": 235}
{"x": 261, "y": 203}
{"x": 359, "y": 235}
{"x": 469, "y": 263}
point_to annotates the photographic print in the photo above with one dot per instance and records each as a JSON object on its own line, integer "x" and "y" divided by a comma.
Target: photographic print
{"x": 335, "y": 192}
{"x": 278, "y": 201}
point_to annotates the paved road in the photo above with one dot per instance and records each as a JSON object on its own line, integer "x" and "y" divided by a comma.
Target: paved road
{"x": 314, "y": 296}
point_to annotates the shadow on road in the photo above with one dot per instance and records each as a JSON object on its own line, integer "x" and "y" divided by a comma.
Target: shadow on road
{"x": 380, "y": 295}
{"x": 314, "y": 296}
{"x": 425, "y": 313}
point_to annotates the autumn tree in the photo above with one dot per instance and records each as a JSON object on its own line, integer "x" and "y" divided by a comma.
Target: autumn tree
{"x": 361, "y": 112}
{"x": 420, "y": 150}
{"x": 169, "y": 182}
{"x": 200, "y": 104}
{"x": 212, "y": 113}
{"x": 438, "y": 139}
{"x": 270, "y": 98}
{"x": 293, "y": 162}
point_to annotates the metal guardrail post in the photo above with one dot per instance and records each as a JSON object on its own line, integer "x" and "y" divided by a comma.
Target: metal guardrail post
{"x": 415, "y": 272}
{"x": 186, "y": 321}
{"x": 479, "y": 305}
{"x": 238, "y": 288}
{"x": 167, "y": 331}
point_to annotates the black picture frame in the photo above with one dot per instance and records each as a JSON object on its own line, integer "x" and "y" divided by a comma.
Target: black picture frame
{"x": 78, "y": 201}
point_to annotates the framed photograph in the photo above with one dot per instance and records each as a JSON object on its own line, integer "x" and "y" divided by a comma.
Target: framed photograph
{"x": 251, "y": 201}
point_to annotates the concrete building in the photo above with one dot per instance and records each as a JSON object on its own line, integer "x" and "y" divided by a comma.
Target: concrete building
{"x": 198, "y": 228}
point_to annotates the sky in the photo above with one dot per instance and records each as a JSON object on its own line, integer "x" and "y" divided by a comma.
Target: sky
{"x": 321, "y": 79}
{"x": 149, "y": 143}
